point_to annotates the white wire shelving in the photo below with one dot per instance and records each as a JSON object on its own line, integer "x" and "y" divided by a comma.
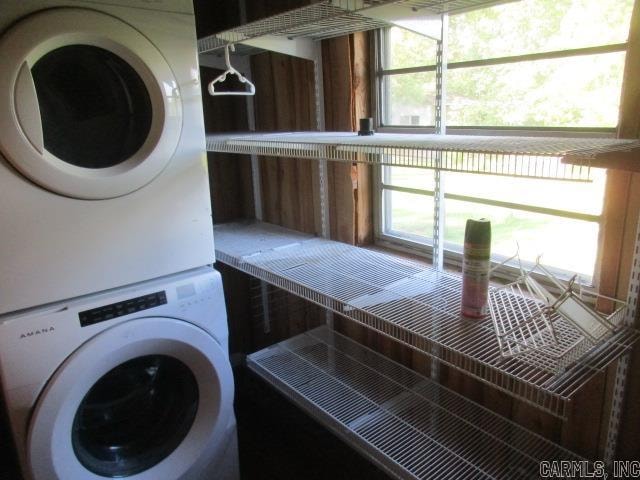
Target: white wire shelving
{"x": 407, "y": 424}
{"x": 418, "y": 306}
{"x": 524, "y": 315}
{"x": 334, "y": 18}
{"x": 533, "y": 157}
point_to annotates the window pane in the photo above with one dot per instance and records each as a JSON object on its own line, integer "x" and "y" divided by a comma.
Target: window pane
{"x": 408, "y": 215}
{"x": 565, "y": 244}
{"x": 410, "y": 99}
{"x": 567, "y": 92}
{"x": 533, "y": 26}
{"x": 568, "y": 196}
{"x": 408, "y": 49}
{"x": 419, "y": 178}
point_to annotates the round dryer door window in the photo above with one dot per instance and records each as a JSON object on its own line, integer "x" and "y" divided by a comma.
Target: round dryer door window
{"x": 89, "y": 107}
{"x": 94, "y": 107}
{"x": 150, "y": 398}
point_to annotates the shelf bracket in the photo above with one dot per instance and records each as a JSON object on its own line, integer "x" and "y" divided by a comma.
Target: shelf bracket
{"x": 322, "y": 187}
{"x": 438, "y": 174}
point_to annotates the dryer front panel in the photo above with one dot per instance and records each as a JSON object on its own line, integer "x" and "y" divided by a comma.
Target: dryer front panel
{"x": 89, "y": 108}
{"x": 146, "y": 399}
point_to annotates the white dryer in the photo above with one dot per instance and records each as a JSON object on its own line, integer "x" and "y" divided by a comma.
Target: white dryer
{"x": 132, "y": 383}
{"x": 103, "y": 176}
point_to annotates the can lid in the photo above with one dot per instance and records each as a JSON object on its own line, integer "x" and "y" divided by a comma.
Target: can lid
{"x": 478, "y": 231}
{"x": 366, "y": 126}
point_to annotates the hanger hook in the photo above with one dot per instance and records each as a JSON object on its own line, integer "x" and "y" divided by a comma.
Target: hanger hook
{"x": 230, "y": 70}
{"x": 227, "y": 60}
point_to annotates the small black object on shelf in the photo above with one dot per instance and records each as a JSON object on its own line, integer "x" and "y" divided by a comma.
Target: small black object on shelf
{"x": 366, "y": 126}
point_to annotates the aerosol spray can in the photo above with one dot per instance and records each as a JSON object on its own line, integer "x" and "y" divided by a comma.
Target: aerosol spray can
{"x": 475, "y": 268}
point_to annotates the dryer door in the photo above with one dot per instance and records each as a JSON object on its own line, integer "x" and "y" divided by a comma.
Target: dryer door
{"x": 147, "y": 399}
{"x": 89, "y": 108}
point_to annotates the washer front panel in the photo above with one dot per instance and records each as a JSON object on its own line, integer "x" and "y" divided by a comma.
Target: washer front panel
{"x": 50, "y": 450}
{"x": 21, "y": 137}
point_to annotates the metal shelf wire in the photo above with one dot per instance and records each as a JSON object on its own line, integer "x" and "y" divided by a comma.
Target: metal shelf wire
{"x": 416, "y": 305}
{"x": 331, "y": 18}
{"x": 409, "y": 425}
{"x": 525, "y": 314}
{"x": 533, "y": 157}
{"x": 316, "y": 21}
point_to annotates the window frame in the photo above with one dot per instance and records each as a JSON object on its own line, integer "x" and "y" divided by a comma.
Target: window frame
{"x": 453, "y": 256}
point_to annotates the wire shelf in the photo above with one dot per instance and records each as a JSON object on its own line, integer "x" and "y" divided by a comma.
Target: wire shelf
{"x": 525, "y": 317}
{"x": 533, "y": 157}
{"x": 407, "y": 424}
{"x": 526, "y": 330}
{"x": 331, "y": 18}
{"x": 414, "y": 304}
{"x": 317, "y": 21}
{"x": 531, "y": 328}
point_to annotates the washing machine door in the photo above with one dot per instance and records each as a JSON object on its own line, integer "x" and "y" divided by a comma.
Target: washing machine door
{"x": 148, "y": 399}
{"x": 89, "y": 108}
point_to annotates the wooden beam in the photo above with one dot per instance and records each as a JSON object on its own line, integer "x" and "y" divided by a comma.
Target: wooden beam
{"x": 361, "y": 174}
{"x": 618, "y": 238}
{"x": 347, "y": 99}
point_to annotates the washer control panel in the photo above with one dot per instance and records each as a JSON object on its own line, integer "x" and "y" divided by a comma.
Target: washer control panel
{"x": 126, "y": 307}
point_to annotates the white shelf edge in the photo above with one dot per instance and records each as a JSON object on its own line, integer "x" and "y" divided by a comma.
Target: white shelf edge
{"x": 334, "y": 18}
{"x": 532, "y": 157}
{"x": 296, "y": 47}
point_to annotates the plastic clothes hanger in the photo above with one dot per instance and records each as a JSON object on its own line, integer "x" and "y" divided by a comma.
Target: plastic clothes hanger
{"x": 230, "y": 70}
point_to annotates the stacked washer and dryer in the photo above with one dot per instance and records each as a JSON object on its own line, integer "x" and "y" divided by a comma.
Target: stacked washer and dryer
{"x": 113, "y": 332}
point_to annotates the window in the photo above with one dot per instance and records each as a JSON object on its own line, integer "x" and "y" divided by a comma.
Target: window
{"x": 534, "y": 67}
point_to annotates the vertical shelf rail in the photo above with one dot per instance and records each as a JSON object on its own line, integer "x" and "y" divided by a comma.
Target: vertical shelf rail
{"x": 323, "y": 186}
{"x": 255, "y": 177}
{"x": 622, "y": 370}
{"x": 322, "y": 201}
{"x": 438, "y": 174}
{"x": 441, "y": 129}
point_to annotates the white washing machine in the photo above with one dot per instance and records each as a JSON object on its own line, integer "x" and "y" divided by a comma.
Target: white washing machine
{"x": 103, "y": 176}
{"x": 132, "y": 383}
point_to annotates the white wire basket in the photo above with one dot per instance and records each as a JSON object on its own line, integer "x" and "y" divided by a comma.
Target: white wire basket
{"x": 551, "y": 330}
